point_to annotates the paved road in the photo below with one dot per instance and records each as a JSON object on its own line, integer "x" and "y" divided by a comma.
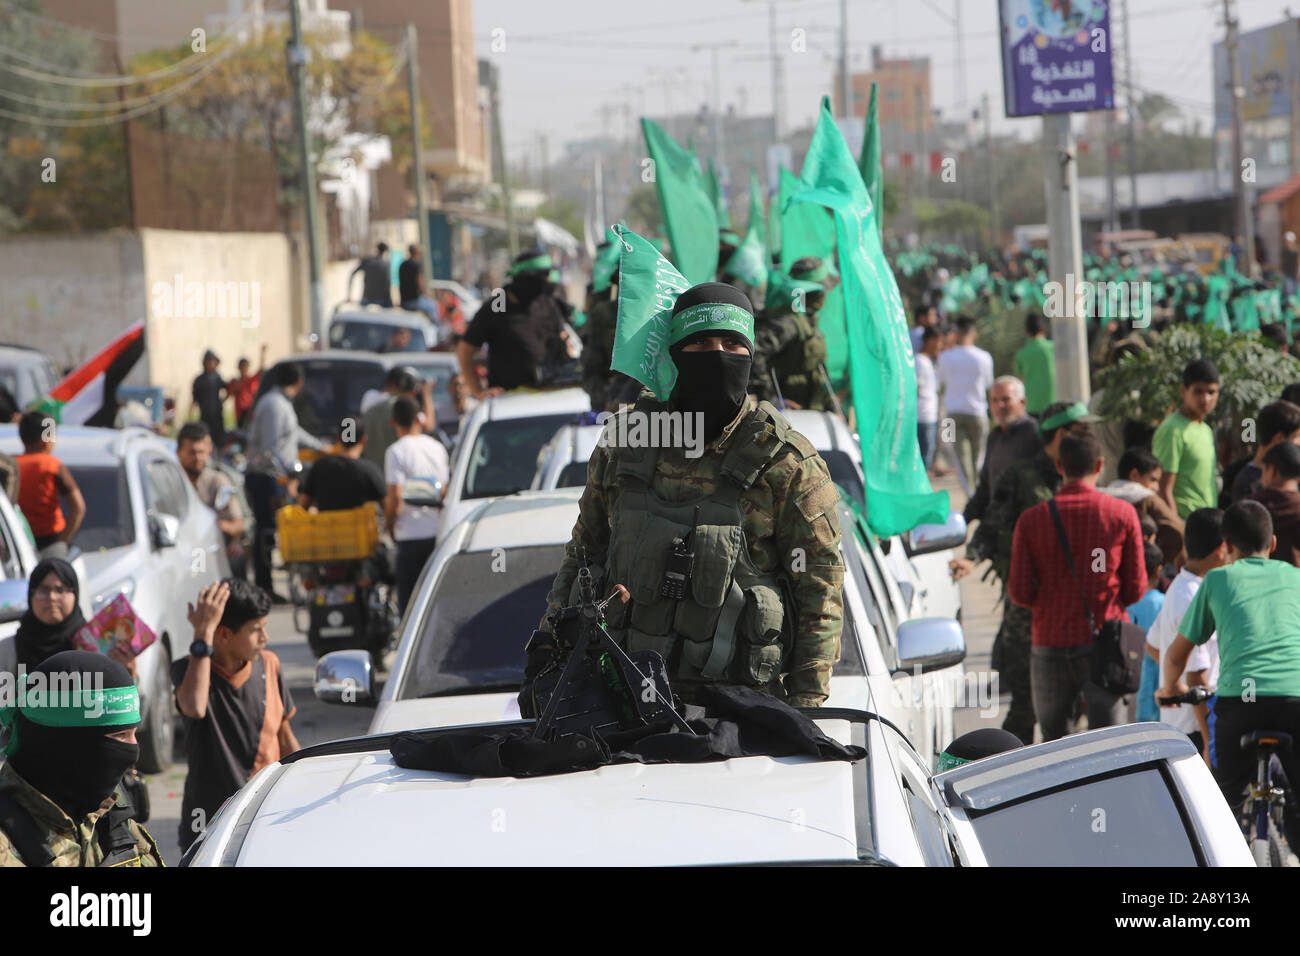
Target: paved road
{"x": 314, "y": 723}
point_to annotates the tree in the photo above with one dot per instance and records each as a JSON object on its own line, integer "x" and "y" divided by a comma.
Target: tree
{"x": 246, "y": 97}
{"x": 641, "y": 212}
{"x": 1153, "y": 109}
{"x": 1145, "y": 387}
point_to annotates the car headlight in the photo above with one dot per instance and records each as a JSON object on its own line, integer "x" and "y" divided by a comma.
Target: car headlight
{"x": 125, "y": 587}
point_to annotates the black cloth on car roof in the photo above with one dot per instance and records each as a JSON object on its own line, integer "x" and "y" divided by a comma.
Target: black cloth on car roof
{"x": 733, "y": 722}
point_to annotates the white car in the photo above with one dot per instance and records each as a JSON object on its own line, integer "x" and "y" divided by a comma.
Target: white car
{"x": 368, "y": 328}
{"x": 918, "y": 561}
{"x": 496, "y": 452}
{"x": 1036, "y": 806}
{"x": 147, "y": 535}
{"x": 460, "y": 657}
{"x": 470, "y": 302}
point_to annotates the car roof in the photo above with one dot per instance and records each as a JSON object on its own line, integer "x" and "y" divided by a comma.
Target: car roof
{"x": 382, "y": 316}
{"x": 386, "y": 359}
{"x": 533, "y": 404}
{"x": 12, "y": 354}
{"x": 79, "y": 445}
{"x": 824, "y": 430}
{"x": 525, "y": 519}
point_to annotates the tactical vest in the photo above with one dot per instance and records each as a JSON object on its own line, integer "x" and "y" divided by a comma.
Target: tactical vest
{"x": 735, "y": 624}
{"x": 796, "y": 365}
{"x": 112, "y": 831}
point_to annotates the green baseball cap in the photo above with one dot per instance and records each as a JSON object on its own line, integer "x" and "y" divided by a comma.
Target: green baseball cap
{"x": 1063, "y": 413}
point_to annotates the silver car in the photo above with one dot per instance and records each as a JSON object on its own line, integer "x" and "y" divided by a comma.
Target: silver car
{"x": 146, "y": 535}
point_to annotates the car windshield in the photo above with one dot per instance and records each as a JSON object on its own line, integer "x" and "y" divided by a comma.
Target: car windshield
{"x": 373, "y": 337}
{"x": 845, "y": 474}
{"x": 332, "y": 391}
{"x": 504, "y": 457}
{"x": 1143, "y": 826}
{"x": 574, "y": 475}
{"x": 479, "y": 620}
{"x": 480, "y": 616}
{"x": 108, "y": 522}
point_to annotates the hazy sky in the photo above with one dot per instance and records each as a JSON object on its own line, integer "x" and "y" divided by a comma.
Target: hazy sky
{"x": 563, "y": 59}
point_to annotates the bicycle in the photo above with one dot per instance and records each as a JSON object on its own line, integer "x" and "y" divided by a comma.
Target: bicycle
{"x": 1261, "y": 813}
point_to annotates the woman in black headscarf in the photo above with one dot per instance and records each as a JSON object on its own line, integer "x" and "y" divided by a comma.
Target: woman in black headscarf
{"x": 53, "y": 614}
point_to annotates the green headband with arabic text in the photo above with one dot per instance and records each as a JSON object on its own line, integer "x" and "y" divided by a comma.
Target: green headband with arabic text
{"x": 71, "y": 707}
{"x": 711, "y": 317}
{"x": 540, "y": 263}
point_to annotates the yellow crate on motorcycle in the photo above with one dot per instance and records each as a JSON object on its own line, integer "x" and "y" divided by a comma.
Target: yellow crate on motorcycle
{"x": 327, "y": 535}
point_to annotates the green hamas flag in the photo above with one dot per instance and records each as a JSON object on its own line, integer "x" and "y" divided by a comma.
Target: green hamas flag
{"x": 690, "y": 215}
{"x": 806, "y": 230}
{"x": 602, "y": 272}
{"x": 881, "y": 370}
{"x": 869, "y": 161}
{"x": 648, "y": 287}
{"x": 749, "y": 262}
{"x": 715, "y": 193}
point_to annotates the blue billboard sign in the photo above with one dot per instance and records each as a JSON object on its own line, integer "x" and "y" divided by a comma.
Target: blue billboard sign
{"x": 1056, "y": 56}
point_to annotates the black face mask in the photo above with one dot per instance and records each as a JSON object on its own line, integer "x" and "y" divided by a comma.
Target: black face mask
{"x": 76, "y": 767}
{"x": 528, "y": 287}
{"x": 713, "y": 382}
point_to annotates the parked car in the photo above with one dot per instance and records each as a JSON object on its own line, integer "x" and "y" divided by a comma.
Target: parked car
{"x": 147, "y": 535}
{"x": 337, "y": 379}
{"x": 496, "y": 453}
{"x": 1036, "y": 806}
{"x": 469, "y": 301}
{"x": 460, "y": 652}
{"x": 27, "y": 373}
{"x": 368, "y": 328}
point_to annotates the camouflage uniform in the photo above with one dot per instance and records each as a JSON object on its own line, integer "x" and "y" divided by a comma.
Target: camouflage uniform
{"x": 71, "y": 843}
{"x": 789, "y": 344}
{"x": 1022, "y": 485}
{"x": 598, "y": 351}
{"x": 789, "y": 532}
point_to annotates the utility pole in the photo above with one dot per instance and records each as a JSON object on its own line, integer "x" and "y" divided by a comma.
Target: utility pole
{"x": 546, "y": 165}
{"x": 1245, "y": 224}
{"x": 1131, "y": 99}
{"x": 846, "y": 85}
{"x": 995, "y": 225}
{"x": 417, "y": 142}
{"x": 776, "y": 73}
{"x": 601, "y": 221}
{"x": 1112, "y": 220}
{"x": 298, "y": 56}
{"x": 1065, "y": 260}
{"x": 499, "y": 147}
{"x": 719, "y": 119}
{"x": 959, "y": 76}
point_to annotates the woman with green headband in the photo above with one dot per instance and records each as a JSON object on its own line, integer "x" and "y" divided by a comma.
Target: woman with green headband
{"x": 71, "y": 736}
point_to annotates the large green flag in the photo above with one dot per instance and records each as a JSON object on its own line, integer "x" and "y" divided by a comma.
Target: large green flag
{"x": 715, "y": 193}
{"x": 648, "y": 287}
{"x": 869, "y": 160}
{"x": 690, "y": 215}
{"x": 806, "y": 229}
{"x": 749, "y": 261}
{"x": 881, "y": 366}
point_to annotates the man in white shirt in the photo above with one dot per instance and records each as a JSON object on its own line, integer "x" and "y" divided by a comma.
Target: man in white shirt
{"x": 965, "y": 376}
{"x": 1205, "y": 552}
{"x": 413, "y": 527}
{"x": 927, "y": 395}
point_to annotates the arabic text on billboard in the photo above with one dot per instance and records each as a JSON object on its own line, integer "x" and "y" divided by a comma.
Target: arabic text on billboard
{"x": 1056, "y": 56}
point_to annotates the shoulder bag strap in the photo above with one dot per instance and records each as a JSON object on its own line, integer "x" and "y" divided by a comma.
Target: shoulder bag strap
{"x": 1069, "y": 560}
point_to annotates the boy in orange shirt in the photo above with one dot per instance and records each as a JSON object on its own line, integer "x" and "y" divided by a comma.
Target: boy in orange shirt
{"x": 42, "y": 481}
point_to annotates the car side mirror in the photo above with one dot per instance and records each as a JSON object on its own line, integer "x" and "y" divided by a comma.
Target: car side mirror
{"x": 165, "y": 529}
{"x": 345, "y": 677}
{"x": 13, "y": 599}
{"x": 930, "y": 643}
{"x": 423, "y": 492}
{"x": 928, "y": 538}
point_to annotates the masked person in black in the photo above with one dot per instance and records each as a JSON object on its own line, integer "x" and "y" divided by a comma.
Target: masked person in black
{"x": 70, "y": 741}
{"x": 52, "y": 615}
{"x": 791, "y": 349}
{"x": 738, "y": 495}
{"x": 523, "y": 327}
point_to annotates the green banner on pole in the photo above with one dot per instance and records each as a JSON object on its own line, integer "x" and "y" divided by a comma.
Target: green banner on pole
{"x": 690, "y": 215}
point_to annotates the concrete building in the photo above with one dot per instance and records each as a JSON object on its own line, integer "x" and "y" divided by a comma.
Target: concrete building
{"x": 903, "y": 101}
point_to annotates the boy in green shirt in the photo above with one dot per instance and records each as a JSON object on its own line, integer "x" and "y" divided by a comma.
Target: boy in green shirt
{"x": 1254, "y": 604}
{"x": 1184, "y": 444}
{"x": 1036, "y": 366}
